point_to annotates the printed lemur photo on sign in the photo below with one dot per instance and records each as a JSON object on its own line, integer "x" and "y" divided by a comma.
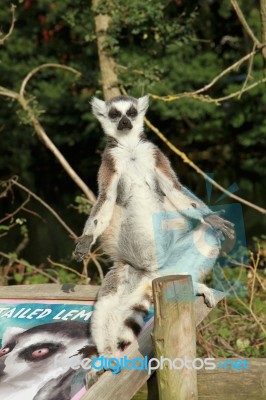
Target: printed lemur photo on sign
{"x": 41, "y": 346}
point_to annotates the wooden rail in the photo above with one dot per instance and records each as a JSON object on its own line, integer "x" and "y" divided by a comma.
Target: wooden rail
{"x": 174, "y": 336}
{"x": 127, "y": 382}
{"x": 51, "y": 291}
{"x": 217, "y": 384}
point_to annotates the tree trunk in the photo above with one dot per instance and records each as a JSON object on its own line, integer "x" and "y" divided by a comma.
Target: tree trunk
{"x": 107, "y": 63}
{"x": 263, "y": 31}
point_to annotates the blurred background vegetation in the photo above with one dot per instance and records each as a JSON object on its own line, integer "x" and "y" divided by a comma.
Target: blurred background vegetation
{"x": 160, "y": 47}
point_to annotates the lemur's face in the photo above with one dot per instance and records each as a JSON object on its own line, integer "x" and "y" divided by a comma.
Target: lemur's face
{"x": 121, "y": 115}
{"x": 41, "y": 351}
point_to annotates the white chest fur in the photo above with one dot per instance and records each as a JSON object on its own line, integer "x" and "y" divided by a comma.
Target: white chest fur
{"x": 135, "y": 162}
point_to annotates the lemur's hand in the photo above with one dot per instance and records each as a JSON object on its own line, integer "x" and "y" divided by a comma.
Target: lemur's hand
{"x": 220, "y": 224}
{"x": 83, "y": 247}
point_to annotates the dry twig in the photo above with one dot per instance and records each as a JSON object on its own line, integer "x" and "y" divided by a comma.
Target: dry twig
{"x": 248, "y": 307}
{"x": 12, "y": 25}
{"x": 263, "y": 30}
{"x": 42, "y": 135}
{"x": 244, "y": 23}
{"x": 186, "y": 160}
{"x": 52, "y": 211}
{"x": 11, "y": 215}
{"x": 56, "y": 264}
{"x": 98, "y": 265}
{"x": 39, "y": 68}
{"x": 21, "y": 261}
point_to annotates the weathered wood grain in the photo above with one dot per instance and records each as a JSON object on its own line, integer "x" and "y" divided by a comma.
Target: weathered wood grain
{"x": 174, "y": 336}
{"x": 149, "y": 390}
{"x": 49, "y": 291}
{"x": 228, "y": 384}
{"x": 220, "y": 384}
{"x": 109, "y": 387}
{"x": 125, "y": 384}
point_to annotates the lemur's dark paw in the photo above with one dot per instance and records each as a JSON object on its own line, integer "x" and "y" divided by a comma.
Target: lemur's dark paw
{"x": 221, "y": 225}
{"x": 83, "y": 246}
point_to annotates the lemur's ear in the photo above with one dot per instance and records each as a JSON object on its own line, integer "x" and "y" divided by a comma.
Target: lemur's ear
{"x": 143, "y": 104}
{"x": 98, "y": 107}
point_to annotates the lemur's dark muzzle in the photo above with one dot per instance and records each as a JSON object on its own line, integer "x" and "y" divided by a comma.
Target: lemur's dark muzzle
{"x": 124, "y": 123}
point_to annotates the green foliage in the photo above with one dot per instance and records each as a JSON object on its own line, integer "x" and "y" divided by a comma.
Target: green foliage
{"x": 239, "y": 333}
{"x": 153, "y": 25}
{"x": 47, "y": 32}
{"x": 83, "y": 205}
{"x": 4, "y": 228}
{"x": 150, "y": 30}
{"x": 160, "y": 47}
{"x": 175, "y": 52}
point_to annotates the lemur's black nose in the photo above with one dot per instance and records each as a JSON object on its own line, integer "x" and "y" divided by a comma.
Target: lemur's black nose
{"x": 124, "y": 123}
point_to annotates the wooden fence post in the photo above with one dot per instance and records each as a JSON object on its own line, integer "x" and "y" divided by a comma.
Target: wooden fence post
{"x": 174, "y": 336}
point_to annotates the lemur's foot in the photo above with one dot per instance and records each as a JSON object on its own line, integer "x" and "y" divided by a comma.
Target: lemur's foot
{"x": 221, "y": 225}
{"x": 209, "y": 299}
{"x": 83, "y": 246}
{"x": 203, "y": 290}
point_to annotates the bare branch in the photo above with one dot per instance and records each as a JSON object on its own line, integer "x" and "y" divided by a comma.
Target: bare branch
{"x": 249, "y": 72}
{"x": 233, "y": 67}
{"x": 186, "y": 160}
{"x": 263, "y": 30}
{"x": 250, "y": 306}
{"x": 206, "y": 98}
{"x": 237, "y": 93}
{"x": 197, "y": 93}
{"x": 42, "y": 134}
{"x": 255, "y": 265}
{"x": 43, "y": 66}
{"x": 12, "y": 25}
{"x": 244, "y": 23}
{"x": 33, "y": 213}
{"x": 8, "y": 93}
{"x": 23, "y": 262}
{"x": 56, "y": 264}
{"x": 21, "y": 246}
{"x": 40, "y": 130}
{"x": 98, "y": 265}
{"x": 135, "y": 71}
{"x": 52, "y": 211}
{"x": 11, "y": 215}
{"x": 51, "y": 146}
{"x": 249, "y": 267}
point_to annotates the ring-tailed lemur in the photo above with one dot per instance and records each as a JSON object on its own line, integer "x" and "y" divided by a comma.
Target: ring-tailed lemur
{"x": 136, "y": 182}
